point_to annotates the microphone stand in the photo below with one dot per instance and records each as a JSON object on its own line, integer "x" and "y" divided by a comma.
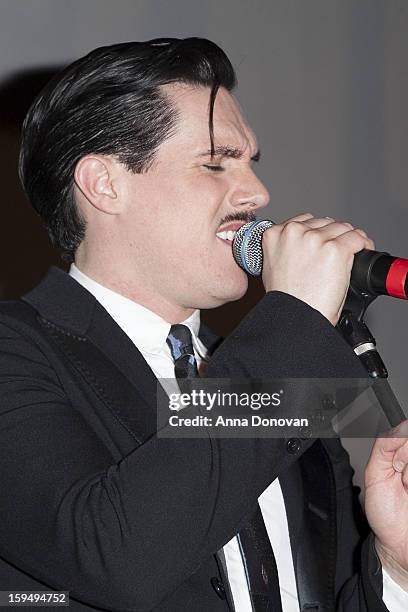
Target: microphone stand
{"x": 354, "y": 330}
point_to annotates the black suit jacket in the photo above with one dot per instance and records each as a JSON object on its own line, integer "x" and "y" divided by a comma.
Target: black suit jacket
{"x": 93, "y": 502}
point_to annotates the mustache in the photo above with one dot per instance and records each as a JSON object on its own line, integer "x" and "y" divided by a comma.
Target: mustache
{"x": 248, "y": 217}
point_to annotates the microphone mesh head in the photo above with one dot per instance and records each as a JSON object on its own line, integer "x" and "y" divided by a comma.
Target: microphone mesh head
{"x": 247, "y": 246}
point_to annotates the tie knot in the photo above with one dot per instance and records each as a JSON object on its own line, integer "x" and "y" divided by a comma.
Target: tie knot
{"x": 180, "y": 342}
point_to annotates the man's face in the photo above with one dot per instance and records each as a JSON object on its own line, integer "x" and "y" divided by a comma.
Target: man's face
{"x": 179, "y": 224}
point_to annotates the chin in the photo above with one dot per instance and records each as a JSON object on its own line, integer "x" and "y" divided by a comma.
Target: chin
{"x": 229, "y": 292}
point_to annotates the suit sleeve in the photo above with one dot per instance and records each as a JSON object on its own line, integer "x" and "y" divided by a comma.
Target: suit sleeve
{"x": 363, "y": 591}
{"x": 125, "y": 535}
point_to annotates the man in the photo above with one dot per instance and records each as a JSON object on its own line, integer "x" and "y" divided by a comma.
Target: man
{"x": 140, "y": 163}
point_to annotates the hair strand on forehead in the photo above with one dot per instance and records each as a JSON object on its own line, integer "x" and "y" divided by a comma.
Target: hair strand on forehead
{"x": 214, "y": 91}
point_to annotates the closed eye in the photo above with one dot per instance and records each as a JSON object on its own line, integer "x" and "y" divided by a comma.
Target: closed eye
{"x": 213, "y": 168}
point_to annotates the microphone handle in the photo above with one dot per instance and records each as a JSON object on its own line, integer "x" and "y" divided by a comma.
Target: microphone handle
{"x": 378, "y": 273}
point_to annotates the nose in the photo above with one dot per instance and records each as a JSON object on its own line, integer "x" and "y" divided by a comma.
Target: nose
{"x": 250, "y": 193}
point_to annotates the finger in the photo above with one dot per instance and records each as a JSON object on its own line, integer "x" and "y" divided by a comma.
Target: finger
{"x": 332, "y": 229}
{"x": 316, "y": 222}
{"x": 370, "y": 242}
{"x": 325, "y": 221}
{"x": 364, "y": 235}
{"x": 353, "y": 240}
{"x": 301, "y": 217}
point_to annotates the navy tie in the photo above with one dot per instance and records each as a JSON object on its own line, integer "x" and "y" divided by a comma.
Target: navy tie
{"x": 181, "y": 348}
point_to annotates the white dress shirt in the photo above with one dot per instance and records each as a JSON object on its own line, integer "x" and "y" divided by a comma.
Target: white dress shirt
{"x": 148, "y": 332}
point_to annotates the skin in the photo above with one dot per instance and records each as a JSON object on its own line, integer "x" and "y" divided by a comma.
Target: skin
{"x": 152, "y": 238}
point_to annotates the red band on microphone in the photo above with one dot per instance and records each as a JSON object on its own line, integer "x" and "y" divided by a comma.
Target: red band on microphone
{"x": 395, "y": 283}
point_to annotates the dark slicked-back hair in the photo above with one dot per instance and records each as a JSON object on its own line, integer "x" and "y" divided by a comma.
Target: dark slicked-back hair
{"x": 108, "y": 102}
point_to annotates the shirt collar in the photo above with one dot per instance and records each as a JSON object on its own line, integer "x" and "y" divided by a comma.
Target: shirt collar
{"x": 147, "y": 330}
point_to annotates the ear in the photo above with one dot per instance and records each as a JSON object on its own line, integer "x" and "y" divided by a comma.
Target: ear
{"x": 95, "y": 176}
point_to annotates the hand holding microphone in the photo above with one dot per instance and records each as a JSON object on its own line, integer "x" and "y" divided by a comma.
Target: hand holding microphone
{"x": 307, "y": 257}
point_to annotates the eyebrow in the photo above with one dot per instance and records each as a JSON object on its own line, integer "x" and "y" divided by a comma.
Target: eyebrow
{"x": 233, "y": 152}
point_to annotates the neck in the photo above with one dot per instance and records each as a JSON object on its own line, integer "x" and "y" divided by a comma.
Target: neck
{"x": 136, "y": 291}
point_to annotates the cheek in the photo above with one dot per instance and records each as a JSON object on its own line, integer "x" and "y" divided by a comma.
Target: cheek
{"x": 213, "y": 187}
{"x": 180, "y": 215}
{"x": 196, "y": 196}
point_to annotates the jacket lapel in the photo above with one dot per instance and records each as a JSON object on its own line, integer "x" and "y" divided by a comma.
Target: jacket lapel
{"x": 314, "y": 548}
{"x": 100, "y": 352}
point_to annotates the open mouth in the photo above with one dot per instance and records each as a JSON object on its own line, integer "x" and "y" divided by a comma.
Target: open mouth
{"x": 227, "y": 236}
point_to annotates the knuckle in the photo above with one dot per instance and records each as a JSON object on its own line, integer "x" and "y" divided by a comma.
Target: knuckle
{"x": 339, "y": 253}
{"x": 361, "y": 232}
{"x": 268, "y": 232}
{"x": 333, "y": 249}
{"x": 269, "y": 235}
{"x": 292, "y": 229}
{"x": 348, "y": 225}
{"x": 313, "y": 237}
{"x": 297, "y": 218}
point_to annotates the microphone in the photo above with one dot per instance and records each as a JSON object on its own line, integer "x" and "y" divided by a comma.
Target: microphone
{"x": 374, "y": 273}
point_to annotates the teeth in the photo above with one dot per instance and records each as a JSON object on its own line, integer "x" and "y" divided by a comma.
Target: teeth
{"x": 226, "y": 235}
